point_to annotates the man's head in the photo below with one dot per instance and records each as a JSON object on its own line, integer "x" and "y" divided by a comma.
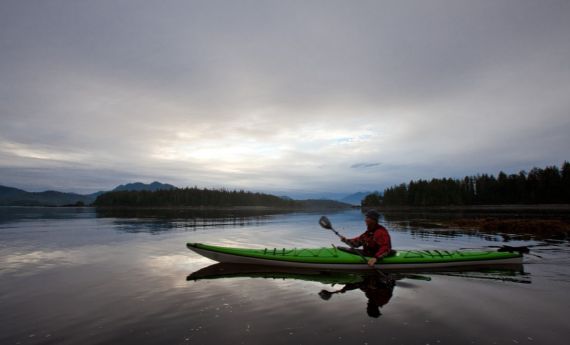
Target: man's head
{"x": 372, "y": 217}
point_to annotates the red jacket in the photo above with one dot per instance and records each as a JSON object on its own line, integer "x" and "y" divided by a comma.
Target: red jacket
{"x": 376, "y": 242}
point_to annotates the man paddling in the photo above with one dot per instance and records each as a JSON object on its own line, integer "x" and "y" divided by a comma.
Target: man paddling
{"x": 375, "y": 241}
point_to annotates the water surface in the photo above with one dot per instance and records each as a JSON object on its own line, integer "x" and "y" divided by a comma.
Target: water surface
{"x": 75, "y": 276}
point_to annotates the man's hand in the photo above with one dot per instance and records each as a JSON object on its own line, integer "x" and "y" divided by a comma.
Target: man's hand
{"x": 343, "y": 239}
{"x": 371, "y": 262}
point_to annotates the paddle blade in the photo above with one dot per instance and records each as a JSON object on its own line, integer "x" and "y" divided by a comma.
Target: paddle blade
{"x": 325, "y": 223}
{"x": 325, "y": 295}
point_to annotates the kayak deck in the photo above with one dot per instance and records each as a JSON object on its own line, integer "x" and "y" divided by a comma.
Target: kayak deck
{"x": 334, "y": 258}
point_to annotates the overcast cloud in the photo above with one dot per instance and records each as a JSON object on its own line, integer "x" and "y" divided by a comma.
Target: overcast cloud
{"x": 279, "y": 96}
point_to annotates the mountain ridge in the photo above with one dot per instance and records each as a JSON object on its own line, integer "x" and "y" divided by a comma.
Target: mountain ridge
{"x": 139, "y": 186}
{"x": 11, "y": 196}
{"x": 355, "y": 198}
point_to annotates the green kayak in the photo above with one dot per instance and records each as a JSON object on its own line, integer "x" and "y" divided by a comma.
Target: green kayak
{"x": 333, "y": 258}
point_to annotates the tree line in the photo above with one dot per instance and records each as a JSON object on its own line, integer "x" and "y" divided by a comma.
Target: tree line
{"x": 550, "y": 185}
{"x": 192, "y": 197}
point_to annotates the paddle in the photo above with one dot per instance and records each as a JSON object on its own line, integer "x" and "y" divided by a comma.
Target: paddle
{"x": 326, "y": 224}
{"x": 510, "y": 249}
{"x": 326, "y": 295}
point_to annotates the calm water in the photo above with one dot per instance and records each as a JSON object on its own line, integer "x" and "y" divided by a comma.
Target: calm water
{"x": 74, "y": 276}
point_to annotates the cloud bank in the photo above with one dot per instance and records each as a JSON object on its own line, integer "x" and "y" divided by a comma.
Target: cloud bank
{"x": 279, "y": 96}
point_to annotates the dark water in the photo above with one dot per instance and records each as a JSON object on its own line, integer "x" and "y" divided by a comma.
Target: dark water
{"x": 74, "y": 276}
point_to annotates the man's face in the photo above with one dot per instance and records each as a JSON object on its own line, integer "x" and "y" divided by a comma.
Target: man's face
{"x": 369, "y": 221}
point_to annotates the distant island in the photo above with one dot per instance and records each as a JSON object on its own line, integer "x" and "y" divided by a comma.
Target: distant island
{"x": 550, "y": 185}
{"x": 161, "y": 195}
{"x": 198, "y": 197}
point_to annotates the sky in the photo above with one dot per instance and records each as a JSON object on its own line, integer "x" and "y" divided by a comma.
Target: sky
{"x": 301, "y": 98}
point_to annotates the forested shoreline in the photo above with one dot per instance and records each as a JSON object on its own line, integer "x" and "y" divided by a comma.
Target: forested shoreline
{"x": 191, "y": 197}
{"x": 197, "y": 197}
{"x": 550, "y": 185}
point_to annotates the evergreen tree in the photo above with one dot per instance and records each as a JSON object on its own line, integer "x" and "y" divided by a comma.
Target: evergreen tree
{"x": 549, "y": 185}
{"x": 372, "y": 200}
{"x": 566, "y": 182}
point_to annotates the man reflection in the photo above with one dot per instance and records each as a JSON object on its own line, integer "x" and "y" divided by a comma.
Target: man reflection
{"x": 378, "y": 289}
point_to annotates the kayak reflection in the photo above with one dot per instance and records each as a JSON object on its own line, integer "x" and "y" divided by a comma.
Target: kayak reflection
{"x": 225, "y": 270}
{"x": 377, "y": 287}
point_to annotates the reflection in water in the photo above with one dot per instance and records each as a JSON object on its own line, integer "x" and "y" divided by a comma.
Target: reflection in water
{"x": 130, "y": 289}
{"x": 377, "y": 287}
{"x": 162, "y": 220}
{"x": 513, "y": 273}
{"x": 187, "y": 213}
{"x": 497, "y": 223}
{"x": 155, "y": 226}
{"x": 142, "y": 220}
{"x": 224, "y": 270}
{"x": 16, "y": 214}
{"x": 24, "y": 262}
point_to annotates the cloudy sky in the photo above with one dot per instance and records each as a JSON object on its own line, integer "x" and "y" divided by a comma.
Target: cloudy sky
{"x": 294, "y": 97}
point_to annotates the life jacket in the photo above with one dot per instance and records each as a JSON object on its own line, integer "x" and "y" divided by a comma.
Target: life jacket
{"x": 376, "y": 242}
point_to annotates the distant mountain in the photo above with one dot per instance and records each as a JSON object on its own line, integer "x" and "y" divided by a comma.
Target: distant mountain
{"x": 139, "y": 186}
{"x": 304, "y": 195}
{"x": 96, "y": 194}
{"x": 9, "y": 193}
{"x": 17, "y": 197}
{"x": 356, "y": 198}
{"x": 353, "y": 199}
{"x": 318, "y": 204}
{"x": 10, "y": 196}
